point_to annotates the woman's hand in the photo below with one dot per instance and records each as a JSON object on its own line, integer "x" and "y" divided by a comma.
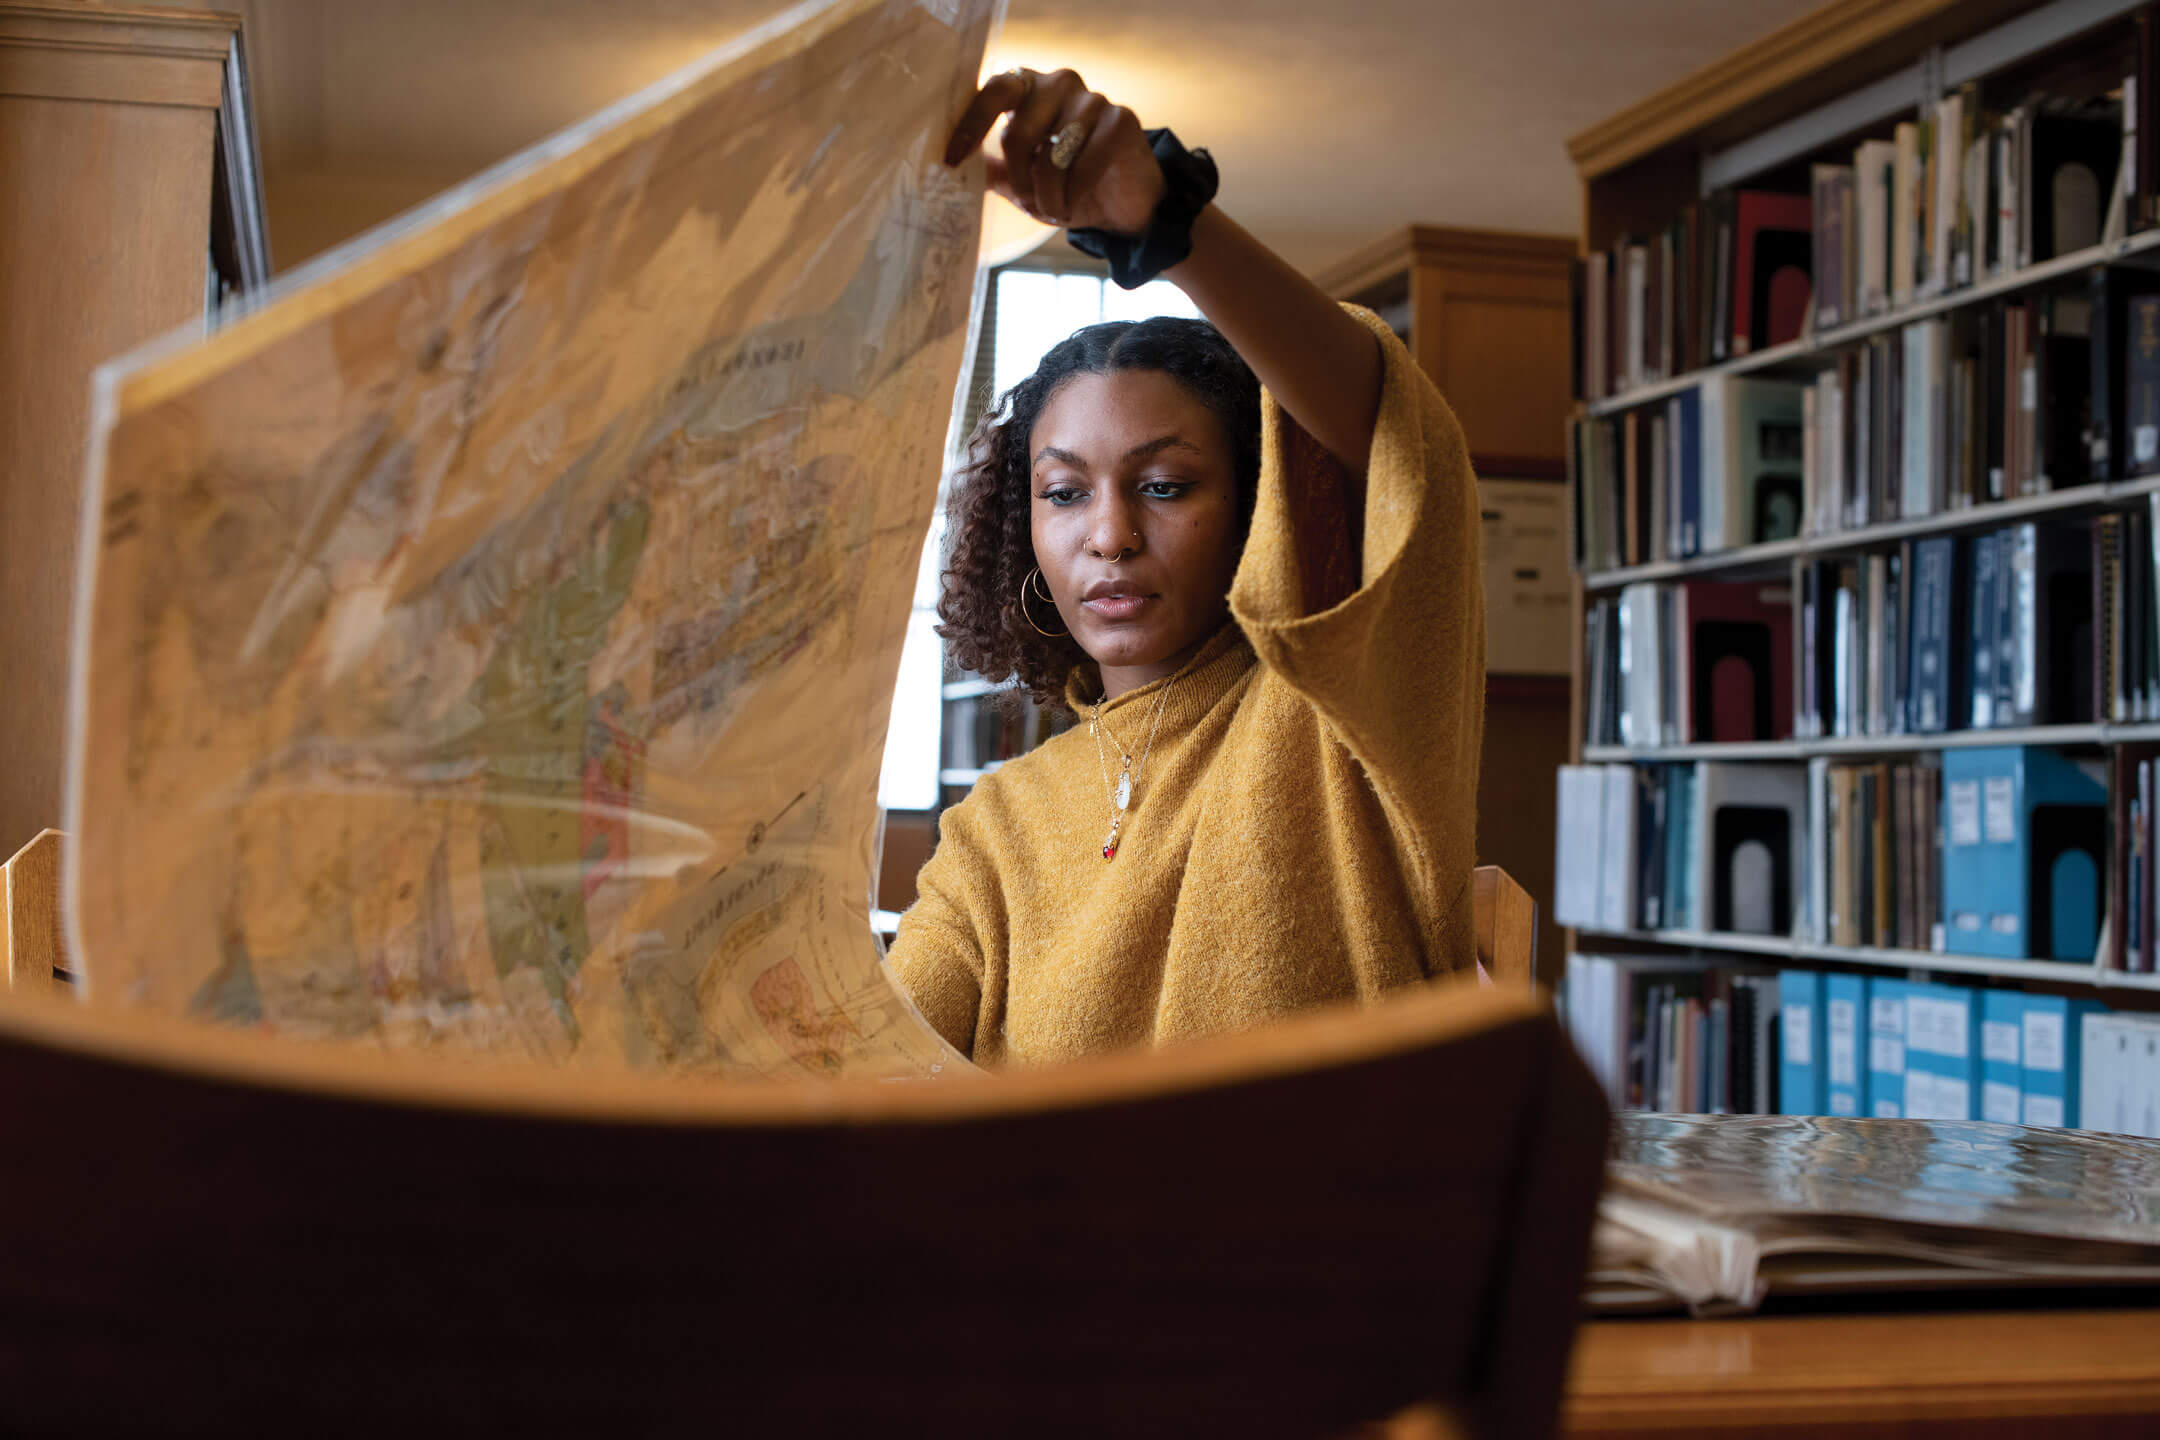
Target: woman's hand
{"x": 1323, "y": 366}
{"x": 1111, "y": 182}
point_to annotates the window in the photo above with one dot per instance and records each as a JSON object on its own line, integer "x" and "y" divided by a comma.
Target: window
{"x": 1028, "y": 311}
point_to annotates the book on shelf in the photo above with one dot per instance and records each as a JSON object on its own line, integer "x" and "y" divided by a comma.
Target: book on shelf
{"x": 1872, "y": 858}
{"x": 2018, "y": 853}
{"x": 2141, "y": 126}
{"x": 1942, "y": 1052}
{"x": 1632, "y": 860}
{"x": 1844, "y": 1001}
{"x": 1884, "y": 1092}
{"x": 1958, "y": 410}
{"x": 1801, "y": 1075}
{"x": 2024, "y": 847}
{"x": 1958, "y": 195}
{"x": 1717, "y": 1214}
{"x": 1687, "y": 1032}
{"x": 1867, "y": 292}
{"x": 1680, "y": 847}
{"x": 1664, "y": 1032}
{"x": 2042, "y": 622}
{"x": 2131, "y": 871}
{"x": 1697, "y": 660}
{"x": 2118, "y": 1067}
{"x": 1718, "y": 466}
{"x": 1830, "y": 188}
{"x": 2012, "y": 398}
{"x": 989, "y": 726}
{"x": 2002, "y": 1025}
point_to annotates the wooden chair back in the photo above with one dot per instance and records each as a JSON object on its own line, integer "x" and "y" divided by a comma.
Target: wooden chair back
{"x": 1506, "y": 922}
{"x": 32, "y": 943}
{"x": 1279, "y": 1233}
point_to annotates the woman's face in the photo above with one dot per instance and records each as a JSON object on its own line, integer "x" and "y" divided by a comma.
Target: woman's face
{"x": 1134, "y": 513}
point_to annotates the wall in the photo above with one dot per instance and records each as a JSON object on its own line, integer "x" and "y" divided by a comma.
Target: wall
{"x": 310, "y": 211}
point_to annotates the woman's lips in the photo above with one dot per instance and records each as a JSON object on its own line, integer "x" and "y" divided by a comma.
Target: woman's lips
{"x": 1116, "y": 607}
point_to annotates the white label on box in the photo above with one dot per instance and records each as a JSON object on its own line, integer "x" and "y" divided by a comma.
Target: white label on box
{"x": 1964, "y": 920}
{"x": 2003, "y": 924}
{"x": 2029, "y": 387}
{"x": 2043, "y": 1040}
{"x": 1919, "y": 1094}
{"x": 1886, "y": 1053}
{"x": 1964, "y": 812}
{"x": 1953, "y": 1028}
{"x": 1920, "y": 1025}
{"x": 1936, "y": 1027}
{"x": 1799, "y": 1034}
{"x": 1844, "y": 1102}
{"x": 1886, "y": 1109}
{"x": 2001, "y": 793}
{"x": 2044, "y": 1110}
{"x": 2149, "y": 1106}
{"x": 1999, "y": 1102}
{"x": 1953, "y": 1099}
{"x": 1999, "y": 1041}
{"x": 1843, "y": 1018}
{"x": 1886, "y": 1014}
{"x": 2145, "y": 441}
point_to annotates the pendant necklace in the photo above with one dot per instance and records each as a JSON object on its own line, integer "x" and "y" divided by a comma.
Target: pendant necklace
{"x": 1128, "y": 771}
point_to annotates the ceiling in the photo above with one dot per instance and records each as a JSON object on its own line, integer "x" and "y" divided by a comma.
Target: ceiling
{"x": 1333, "y": 121}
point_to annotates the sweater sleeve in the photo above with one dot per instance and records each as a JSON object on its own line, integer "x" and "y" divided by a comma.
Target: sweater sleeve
{"x": 937, "y": 956}
{"x": 1371, "y": 606}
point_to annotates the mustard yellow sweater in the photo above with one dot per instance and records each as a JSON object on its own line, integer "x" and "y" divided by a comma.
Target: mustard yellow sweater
{"x": 1305, "y": 829}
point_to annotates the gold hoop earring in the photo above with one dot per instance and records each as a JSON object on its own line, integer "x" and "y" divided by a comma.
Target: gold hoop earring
{"x": 1035, "y": 581}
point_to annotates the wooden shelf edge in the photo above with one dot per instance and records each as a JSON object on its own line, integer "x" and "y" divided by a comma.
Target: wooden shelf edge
{"x": 1788, "y": 951}
{"x": 1401, "y": 250}
{"x": 1754, "y": 73}
{"x": 1820, "y": 343}
{"x": 1839, "y": 542}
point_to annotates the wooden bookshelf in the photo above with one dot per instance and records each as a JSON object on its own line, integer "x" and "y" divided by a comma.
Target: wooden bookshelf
{"x": 1808, "y": 92}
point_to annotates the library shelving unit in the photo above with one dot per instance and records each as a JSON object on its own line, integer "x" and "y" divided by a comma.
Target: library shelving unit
{"x": 983, "y": 726}
{"x": 1803, "y": 94}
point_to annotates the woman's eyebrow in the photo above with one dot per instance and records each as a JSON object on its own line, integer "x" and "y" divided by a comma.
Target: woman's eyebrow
{"x": 1160, "y": 443}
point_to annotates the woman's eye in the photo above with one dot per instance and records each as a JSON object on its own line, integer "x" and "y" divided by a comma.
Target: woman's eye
{"x": 1061, "y": 495}
{"x": 1164, "y": 489}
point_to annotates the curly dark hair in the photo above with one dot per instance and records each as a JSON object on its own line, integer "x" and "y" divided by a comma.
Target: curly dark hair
{"x": 989, "y": 546}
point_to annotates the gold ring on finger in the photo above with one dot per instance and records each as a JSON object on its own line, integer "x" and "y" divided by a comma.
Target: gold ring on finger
{"x": 1065, "y": 145}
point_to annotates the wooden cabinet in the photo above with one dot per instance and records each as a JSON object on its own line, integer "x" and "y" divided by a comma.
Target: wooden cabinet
{"x": 127, "y": 196}
{"x": 1486, "y": 313}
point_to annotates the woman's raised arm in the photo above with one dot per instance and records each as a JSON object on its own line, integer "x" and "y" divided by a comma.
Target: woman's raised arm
{"x": 1322, "y": 366}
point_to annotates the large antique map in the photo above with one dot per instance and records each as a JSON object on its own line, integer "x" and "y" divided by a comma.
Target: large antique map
{"x": 487, "y": 645}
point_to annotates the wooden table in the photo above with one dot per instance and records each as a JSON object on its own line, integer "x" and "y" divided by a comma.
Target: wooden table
{"x": 1963, "y": 1373}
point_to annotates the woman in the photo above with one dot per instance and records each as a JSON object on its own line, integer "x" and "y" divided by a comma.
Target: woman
{"x": 1265, "y": 609}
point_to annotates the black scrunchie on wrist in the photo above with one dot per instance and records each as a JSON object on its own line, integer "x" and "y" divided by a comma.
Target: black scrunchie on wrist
{"x": 1189, "y": 182}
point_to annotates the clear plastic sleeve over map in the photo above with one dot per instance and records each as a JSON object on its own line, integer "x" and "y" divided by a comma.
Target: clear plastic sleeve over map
{"x": 487, "y": 644}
